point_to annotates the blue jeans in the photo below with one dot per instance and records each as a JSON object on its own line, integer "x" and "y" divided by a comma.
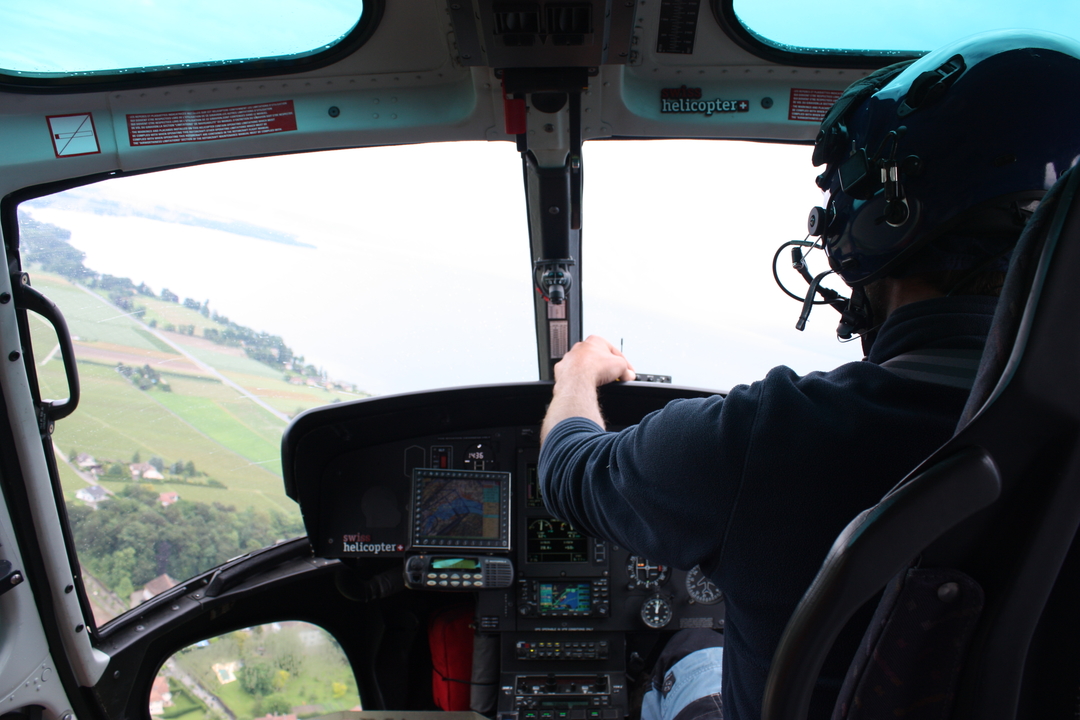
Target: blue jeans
{"x": 687, "y": 681}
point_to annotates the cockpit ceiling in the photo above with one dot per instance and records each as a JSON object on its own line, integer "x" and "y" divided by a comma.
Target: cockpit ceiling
{"x": 67, "y": 45}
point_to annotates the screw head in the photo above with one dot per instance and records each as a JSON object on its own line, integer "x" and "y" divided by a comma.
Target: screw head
{"x": 5, "y": 298}
{"x": 334, "y": 111}
{"x": 14, "y": 355}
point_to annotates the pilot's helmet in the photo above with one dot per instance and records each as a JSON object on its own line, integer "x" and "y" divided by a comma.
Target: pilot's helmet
{"x": 949, "y": 153}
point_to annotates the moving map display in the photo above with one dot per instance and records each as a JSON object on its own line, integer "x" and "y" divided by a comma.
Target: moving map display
{"x": 565, "y": 598}
{"x": 460, "y": 509}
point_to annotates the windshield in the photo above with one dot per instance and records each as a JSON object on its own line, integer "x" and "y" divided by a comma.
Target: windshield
{"x": 66, "y": 37}
{"x": 210, "y": 305}
{"x": 880, "y": 26}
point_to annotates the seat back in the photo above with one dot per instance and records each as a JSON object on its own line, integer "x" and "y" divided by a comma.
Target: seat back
{"x": 998, "y": 505}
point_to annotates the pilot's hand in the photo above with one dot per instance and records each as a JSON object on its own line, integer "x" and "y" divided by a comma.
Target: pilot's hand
{"x": 594, "y": 361}
{"x": 588, "y": 365}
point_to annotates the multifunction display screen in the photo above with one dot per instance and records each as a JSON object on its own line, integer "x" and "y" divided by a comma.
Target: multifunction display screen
{"x": 559, "y": 598}
{"x": 460, "y": 509}
{"x": 554, "y": 541}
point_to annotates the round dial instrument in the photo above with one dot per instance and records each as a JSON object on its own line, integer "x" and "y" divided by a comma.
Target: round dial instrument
{"x": 701, "y": 589}
{"x": 541, "y": 526}
{"x": 646, "y": 574}
{"x": 656, "y": 611}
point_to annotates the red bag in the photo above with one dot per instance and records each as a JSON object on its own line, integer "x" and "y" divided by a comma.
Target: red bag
{"x": 450, "y": 634}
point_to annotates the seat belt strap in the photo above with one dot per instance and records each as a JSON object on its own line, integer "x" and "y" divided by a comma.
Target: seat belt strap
{"x": 953, "y": 368}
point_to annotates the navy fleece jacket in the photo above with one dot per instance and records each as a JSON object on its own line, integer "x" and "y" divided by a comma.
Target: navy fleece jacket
{"x": 756, "y": 486}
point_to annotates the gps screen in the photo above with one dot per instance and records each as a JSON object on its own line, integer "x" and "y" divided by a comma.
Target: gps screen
{"x": 565, "y": 598}
{"x": 460, "y": 509}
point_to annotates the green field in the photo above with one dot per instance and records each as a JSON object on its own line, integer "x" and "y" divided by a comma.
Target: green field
{"x": 231, "y": 439}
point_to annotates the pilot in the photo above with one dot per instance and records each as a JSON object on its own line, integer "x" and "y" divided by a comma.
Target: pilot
{"x": 931, "y": 170}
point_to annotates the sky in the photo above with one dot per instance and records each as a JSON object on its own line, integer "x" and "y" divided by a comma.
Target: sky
{"x": 421, "y": 277}
{"x": 74, "y": 35}
{"x": 911, "y": 25}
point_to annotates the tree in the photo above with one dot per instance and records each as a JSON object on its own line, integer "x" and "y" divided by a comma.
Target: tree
{"x": 133, "y": 536}
{"x": 189, "y": 468}
{"x": 276, "y": 705}
{"x": 124, "y": 588}
{"x": 157, "y": 463}
{"x": 338, "y": 689}
{"x": 256, "y": 678}
{"x": 136, "y": 458}
{"x": 48, "y": 244}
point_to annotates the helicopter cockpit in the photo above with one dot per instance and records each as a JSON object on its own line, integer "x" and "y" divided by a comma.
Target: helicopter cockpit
{"x": 215, "y": 525}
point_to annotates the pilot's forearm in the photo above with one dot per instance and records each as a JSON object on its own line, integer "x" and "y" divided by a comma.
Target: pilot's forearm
{"x": 589, "y": 364}
{"x": 573, "y": 396}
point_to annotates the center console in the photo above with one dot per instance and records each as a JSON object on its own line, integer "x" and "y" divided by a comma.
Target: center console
{"x": 458, "y": 503}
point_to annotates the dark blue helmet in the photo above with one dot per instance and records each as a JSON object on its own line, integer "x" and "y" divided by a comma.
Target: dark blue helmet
{"x": 948, "y": 153}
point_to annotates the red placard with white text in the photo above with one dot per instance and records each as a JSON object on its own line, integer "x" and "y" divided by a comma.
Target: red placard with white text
{"x": 166, "y": 128}
{"x": 811, "y": 105}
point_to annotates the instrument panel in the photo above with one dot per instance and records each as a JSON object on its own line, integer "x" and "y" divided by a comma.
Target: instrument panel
{"x": 446, "y": 484}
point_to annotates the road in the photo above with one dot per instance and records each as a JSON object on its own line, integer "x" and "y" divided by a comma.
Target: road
{"x": 212, "y": 701}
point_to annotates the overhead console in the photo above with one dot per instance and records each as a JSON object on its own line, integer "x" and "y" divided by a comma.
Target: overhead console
{"x": 445, "y": 483}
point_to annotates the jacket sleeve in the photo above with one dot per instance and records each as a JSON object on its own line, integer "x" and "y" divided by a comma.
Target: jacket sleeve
{"x": 664, "y": 488}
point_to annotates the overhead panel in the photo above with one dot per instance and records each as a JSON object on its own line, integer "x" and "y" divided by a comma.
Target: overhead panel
{"x": 559, "y": 33}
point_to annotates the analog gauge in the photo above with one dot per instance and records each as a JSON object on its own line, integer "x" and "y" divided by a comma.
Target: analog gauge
{"x": 540, "y": 528}
{"x": 656, "y": 611}
{"x": 701, "y": 589}
{"x": 646, "y": 574}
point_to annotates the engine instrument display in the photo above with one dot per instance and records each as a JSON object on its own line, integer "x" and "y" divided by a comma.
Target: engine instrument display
{"x": 460, "y": 509}
{"x": 554, "y": 541}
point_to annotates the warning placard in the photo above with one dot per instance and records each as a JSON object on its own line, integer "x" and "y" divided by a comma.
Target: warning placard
{"x": 811, "y": 105}
{"x": 212, "y": 124}
{"x": 73, "y": 135}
